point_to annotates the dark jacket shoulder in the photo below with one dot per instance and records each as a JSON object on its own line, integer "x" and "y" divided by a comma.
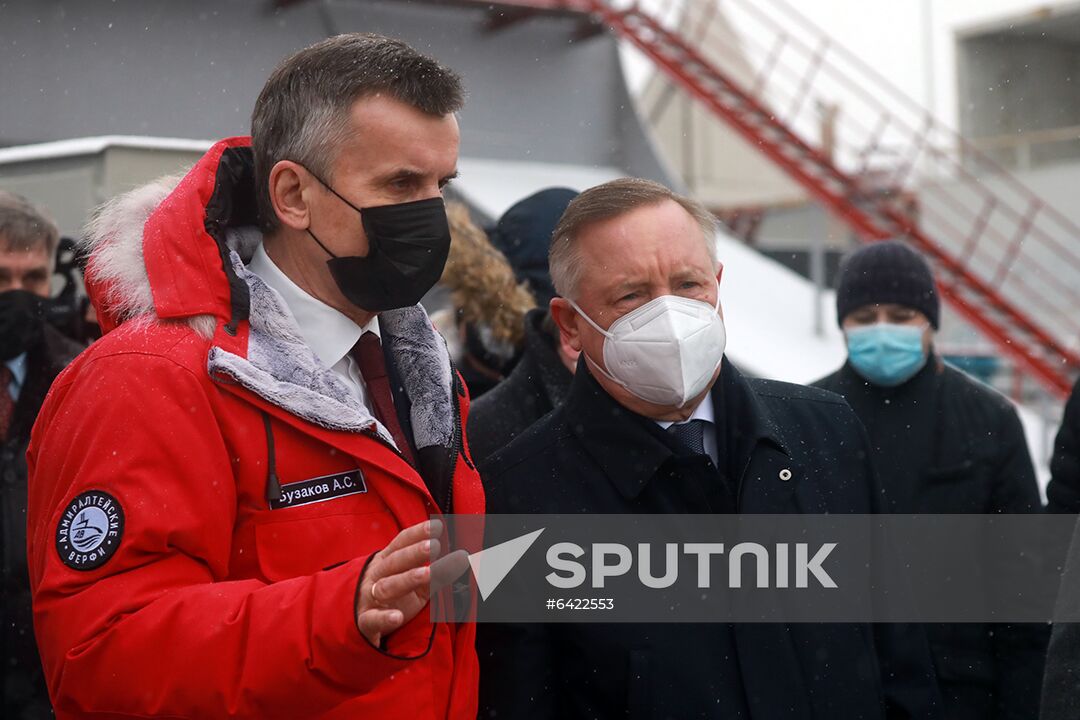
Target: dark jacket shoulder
{"x": 537, "y": 384}
{"x": 1063, "y": 492}
{"x": 806, "y": 410}
{"x": 46, "y": 359}
{"x": 535, "y": 441}
{"x": 790, "y": 391}
{"x": 963, "y": 387}
{"x": 60, "y": 349}
{"x": 956, "y": 386}
{"x": 990, "y": 417}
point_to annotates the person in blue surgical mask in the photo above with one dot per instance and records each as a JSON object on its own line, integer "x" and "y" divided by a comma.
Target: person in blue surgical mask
{"x": 942, "y": 442}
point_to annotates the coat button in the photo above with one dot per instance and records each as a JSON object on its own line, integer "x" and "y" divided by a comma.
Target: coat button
{"x": 785, "y": 474}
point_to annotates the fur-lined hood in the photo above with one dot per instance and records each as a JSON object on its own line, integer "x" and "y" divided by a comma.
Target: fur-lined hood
{"x": 112, "y": 242}
{"x": 175, "y": 251}
{"x": 162, "y": 249}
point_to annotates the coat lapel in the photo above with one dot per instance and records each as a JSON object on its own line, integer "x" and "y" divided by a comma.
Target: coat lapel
{"x": 426, "y": 394}
{"x": 630, "y": 449}
{"x": 418, "y": 357}
{"x": 774, "y": 482}
{"x": 621, "y": 443}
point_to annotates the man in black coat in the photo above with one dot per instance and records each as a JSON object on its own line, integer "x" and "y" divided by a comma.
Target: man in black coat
{"x": 1061, "y": 681}
{"x": 534, "y": 387}
{"x": 32, "y": 353}
{"x": 1061, "y": 684}
{"x": 1063, "y": 492}
{"x": 540, "y": 379}
{"x": 942, "y": 443}
{"x": 657, "y": 421}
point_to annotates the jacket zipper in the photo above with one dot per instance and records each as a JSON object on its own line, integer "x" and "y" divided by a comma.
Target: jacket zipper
{"x": 273, "y": 487}
{"x": 458, "y": 439}
{"x": 457, "y": 444}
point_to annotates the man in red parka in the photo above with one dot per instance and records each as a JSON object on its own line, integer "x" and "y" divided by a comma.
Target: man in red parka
{"x": 229, "y": 491}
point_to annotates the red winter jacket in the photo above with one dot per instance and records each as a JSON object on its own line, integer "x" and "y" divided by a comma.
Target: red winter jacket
{"x": 165, "y": 581}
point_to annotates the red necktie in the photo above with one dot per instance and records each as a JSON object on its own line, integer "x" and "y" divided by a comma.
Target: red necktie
{"x": 7, "y": 404}
{"x": 369, "y": 356}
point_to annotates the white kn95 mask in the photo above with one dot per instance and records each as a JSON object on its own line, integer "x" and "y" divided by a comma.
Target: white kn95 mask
{"x": 664, "y": 352}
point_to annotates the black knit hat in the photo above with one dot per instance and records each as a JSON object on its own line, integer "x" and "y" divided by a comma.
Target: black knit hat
{"x": 523, "y": 235}
{"x": 887, "y": 272}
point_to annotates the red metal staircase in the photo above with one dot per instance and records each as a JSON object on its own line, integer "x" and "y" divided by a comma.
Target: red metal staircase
{"x": 1007, "y": 262}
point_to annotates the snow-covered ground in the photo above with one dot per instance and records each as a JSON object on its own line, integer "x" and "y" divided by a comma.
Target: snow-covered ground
{"x": 492, "y": 186}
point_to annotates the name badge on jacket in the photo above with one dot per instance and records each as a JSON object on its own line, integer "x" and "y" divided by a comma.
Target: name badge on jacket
{"x": 320, "y": 489}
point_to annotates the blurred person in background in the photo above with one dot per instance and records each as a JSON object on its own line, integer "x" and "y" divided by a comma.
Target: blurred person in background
{"x": 32, "y": 354}
{"x": 72, "y": 312}
{"x": 541, "y": 377}
{"x": 1061, "y": 684}
{"x": 1061, "y": 680}
{"x": 523, "y": 235}
{"x": 942, "y": 443}
{"x": 483, "y": 326}
{"x": 1063, "y": 491}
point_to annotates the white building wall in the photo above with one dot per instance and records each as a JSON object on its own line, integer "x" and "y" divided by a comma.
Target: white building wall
{"x": 913, "y": 43}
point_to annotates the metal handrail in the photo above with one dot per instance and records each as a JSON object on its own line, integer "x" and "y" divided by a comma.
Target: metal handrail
{"x": 996, "y": 236}
{"x": 1006, "y": 210}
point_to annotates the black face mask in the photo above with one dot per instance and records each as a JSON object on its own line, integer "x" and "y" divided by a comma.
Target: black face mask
{"x": 22, "y": 316}
{"x": 408, "y": 244}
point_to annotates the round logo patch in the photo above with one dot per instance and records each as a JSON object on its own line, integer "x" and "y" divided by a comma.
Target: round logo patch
{"x": 89, "y": 531}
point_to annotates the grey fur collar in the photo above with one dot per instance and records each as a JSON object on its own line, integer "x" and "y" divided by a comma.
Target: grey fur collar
{"x": 283, "y": 370}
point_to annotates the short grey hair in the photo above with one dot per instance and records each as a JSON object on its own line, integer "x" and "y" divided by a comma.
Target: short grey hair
{"x": 605, "y": 202}
{"x": 302, "y": 113}
{"x": 24, "y": 228}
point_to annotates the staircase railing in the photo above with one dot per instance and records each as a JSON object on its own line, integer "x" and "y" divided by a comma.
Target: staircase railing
{"x": 1007, "y": 261}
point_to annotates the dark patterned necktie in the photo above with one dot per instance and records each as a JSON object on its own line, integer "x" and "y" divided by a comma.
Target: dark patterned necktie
{"x": 7, "y": 403}
{"x": 691, "y": 435}
{"x": 369, "y": 356}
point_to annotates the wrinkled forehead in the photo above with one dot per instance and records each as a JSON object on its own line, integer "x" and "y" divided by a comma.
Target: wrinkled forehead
{"x": 382, "y": 132}
{"x": 657, "y": 239}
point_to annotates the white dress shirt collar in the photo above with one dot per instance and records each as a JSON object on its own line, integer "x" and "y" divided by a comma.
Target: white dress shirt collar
{"x": 17, "y": 366}
{"x": 704, "y": 411}
{"x": 329, "y": 333}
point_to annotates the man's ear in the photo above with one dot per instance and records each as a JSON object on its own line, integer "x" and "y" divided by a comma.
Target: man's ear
{"x": 288, "y": 195}
{"x": 719, "y": 275}
{"x": 567, "y": 354}
{"x": 564, "y": 315}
